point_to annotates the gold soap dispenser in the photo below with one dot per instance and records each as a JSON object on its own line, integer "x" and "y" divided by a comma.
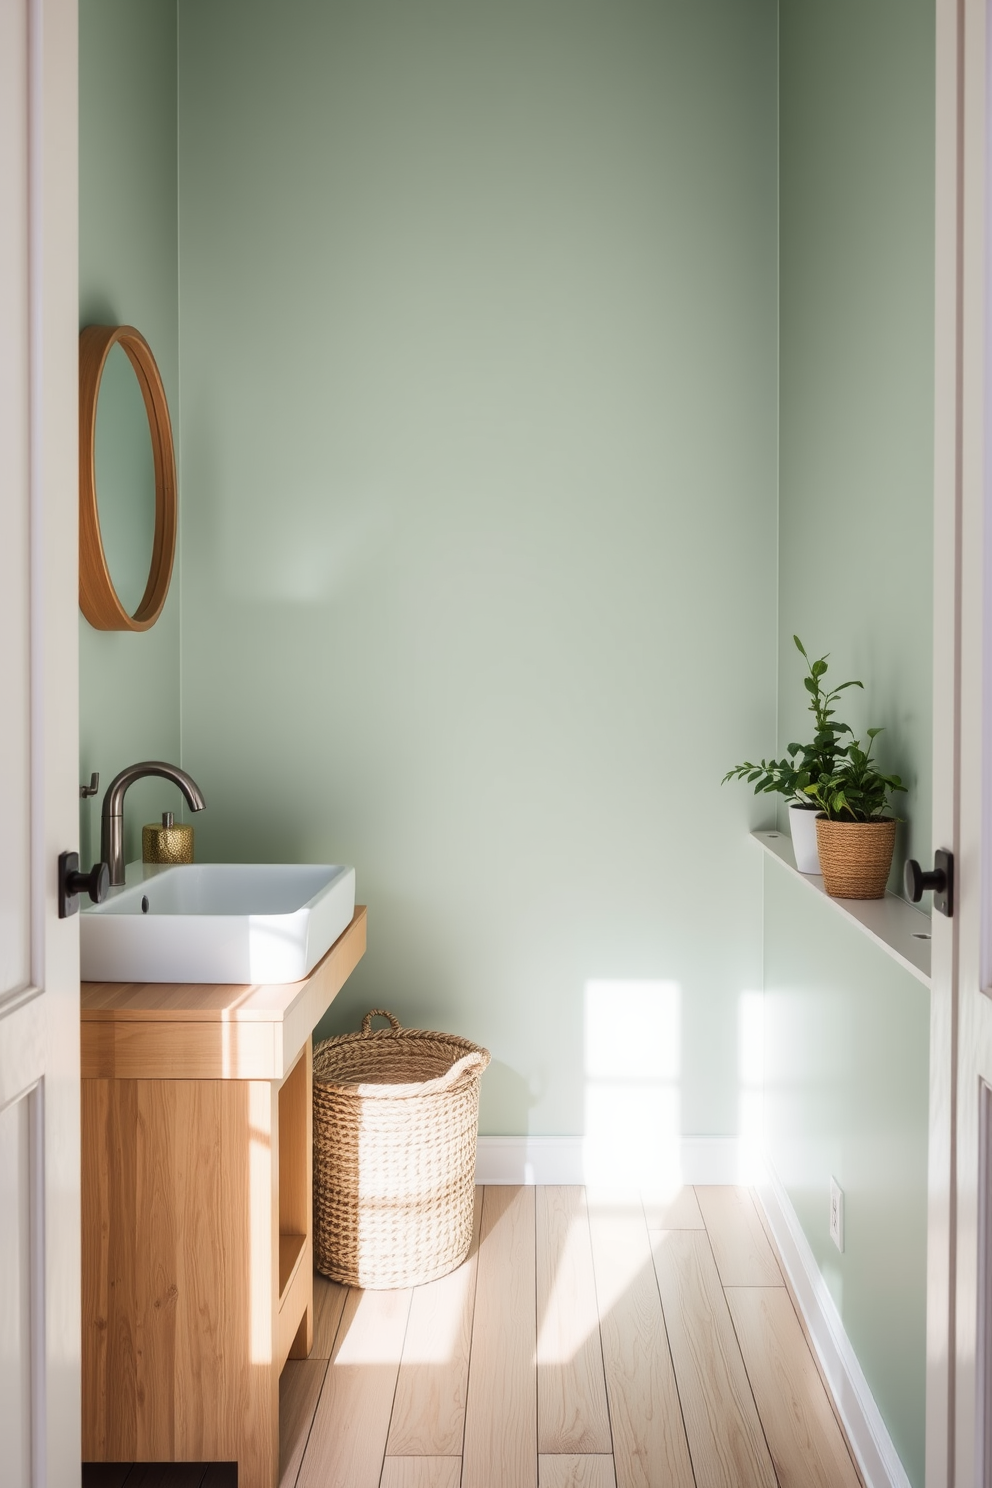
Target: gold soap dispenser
{"x": 166, "y": 842}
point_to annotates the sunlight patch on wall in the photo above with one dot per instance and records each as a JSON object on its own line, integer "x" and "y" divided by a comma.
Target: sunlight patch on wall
{"x": 751, "y": 1085}
{"x": 632, "y": 1095}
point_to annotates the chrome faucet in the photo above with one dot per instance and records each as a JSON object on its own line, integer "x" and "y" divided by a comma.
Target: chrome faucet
{"x": 112, "y": 823}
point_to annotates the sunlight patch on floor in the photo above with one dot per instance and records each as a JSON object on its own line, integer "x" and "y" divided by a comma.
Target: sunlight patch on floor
{"x": 567, "y": 1324}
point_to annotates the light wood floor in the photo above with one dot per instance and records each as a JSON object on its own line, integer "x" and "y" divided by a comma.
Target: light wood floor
{"x": 587, "y": 1342}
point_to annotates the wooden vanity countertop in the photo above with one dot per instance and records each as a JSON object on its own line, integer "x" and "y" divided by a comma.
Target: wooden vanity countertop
{"x": 211, "y": 1031}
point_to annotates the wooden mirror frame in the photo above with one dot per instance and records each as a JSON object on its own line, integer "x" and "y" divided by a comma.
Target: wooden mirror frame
{"x": 98, "y": 599}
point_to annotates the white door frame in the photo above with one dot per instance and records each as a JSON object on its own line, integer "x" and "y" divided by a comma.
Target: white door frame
{"x": 958, "y": 1451}
{"x": 946, "y": 716}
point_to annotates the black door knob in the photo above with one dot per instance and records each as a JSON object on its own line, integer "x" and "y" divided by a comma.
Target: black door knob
{"x": 917, "y": 881}
{"x": 72, "y": 883}
{"x": 940, "y": 879}
{"x": 95, "y": 883}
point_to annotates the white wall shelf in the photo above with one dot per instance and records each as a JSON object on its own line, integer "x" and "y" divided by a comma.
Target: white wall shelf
{"x": 902, "y": 931}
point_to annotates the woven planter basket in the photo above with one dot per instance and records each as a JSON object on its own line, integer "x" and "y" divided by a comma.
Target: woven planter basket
{"x": 395, "y": 1117}
{"x": 855, "y": 857}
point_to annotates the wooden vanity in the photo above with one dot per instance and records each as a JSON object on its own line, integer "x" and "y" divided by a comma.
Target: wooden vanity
{"x": 196, "y": 1212}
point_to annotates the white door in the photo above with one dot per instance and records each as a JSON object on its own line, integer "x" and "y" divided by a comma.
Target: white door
{"x": 39, "y": 954}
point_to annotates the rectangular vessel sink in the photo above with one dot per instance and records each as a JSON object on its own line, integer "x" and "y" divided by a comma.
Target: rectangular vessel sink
{"x": 218, "y": 922}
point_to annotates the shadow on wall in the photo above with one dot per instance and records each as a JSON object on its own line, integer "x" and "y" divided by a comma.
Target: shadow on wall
{"x": 510, "y": 1092}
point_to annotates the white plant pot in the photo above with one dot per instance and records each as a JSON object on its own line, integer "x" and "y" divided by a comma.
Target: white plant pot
{"x": 802, "y": 824}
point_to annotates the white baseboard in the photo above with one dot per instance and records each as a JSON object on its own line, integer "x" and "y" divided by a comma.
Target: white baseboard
{"x": 570, "y": 1160}
{"x": 529, "y": 1160}
{"x": 877, "y": 1457}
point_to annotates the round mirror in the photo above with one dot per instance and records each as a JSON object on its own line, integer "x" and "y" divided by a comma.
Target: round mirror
{"x": 127, "y": 481}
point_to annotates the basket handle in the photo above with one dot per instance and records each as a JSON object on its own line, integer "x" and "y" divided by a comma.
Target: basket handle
{"x": 379, "y": 1013}
{"x": 475, "y": 1059}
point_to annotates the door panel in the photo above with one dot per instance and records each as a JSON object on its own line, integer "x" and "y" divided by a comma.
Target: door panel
{"x": 17, "y": 1323}
{"x": 15, "y": 761}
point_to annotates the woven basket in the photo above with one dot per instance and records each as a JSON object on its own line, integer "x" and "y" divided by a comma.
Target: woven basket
{"x": 395, "y": 1117}
{"x": 855, "y": 857}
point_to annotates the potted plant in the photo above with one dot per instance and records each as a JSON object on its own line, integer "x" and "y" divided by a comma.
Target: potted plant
{"x": 805, "y": 764}
{"x": 854, "y": 835}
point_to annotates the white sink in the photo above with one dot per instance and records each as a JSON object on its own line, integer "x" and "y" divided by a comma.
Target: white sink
{"x": 217, "y": 922}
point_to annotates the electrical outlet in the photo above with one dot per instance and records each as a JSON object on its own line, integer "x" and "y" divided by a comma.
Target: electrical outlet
{"x": 837, "y": 1214}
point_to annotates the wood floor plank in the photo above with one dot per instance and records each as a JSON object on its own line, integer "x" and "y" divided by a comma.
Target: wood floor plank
{"x": 328, "y": 1305}
{"x": 501, "y": 1411}
{"x": 805, "y": 1441}
{"x": 348, "y": 1437}
{"x": 673, "y": 1211}
{"x": 421, "y": 1472}
{"x": 429, "y": 1410}
{"x": 572, "y": 1415}
{"x": 740, "y": 1245}
{"x": 568, "y": 1470}
{"x": 721, "y": 1420}
{"x": 299, "y": 1391}
{"x": 649, "y": 1443}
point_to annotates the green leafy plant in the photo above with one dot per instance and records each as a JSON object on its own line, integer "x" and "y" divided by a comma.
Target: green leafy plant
{"x": 805, "y": 764}
{"x": 857, "y": 791}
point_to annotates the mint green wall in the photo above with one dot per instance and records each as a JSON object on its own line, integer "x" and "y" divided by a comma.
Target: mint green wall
{"x": 846, "y": 1072}
{"x": 856, "y": 514}
{"x": 479, "y": 481}
{"x": 847, "y": 1029}
{"x": 128, "y": 274}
